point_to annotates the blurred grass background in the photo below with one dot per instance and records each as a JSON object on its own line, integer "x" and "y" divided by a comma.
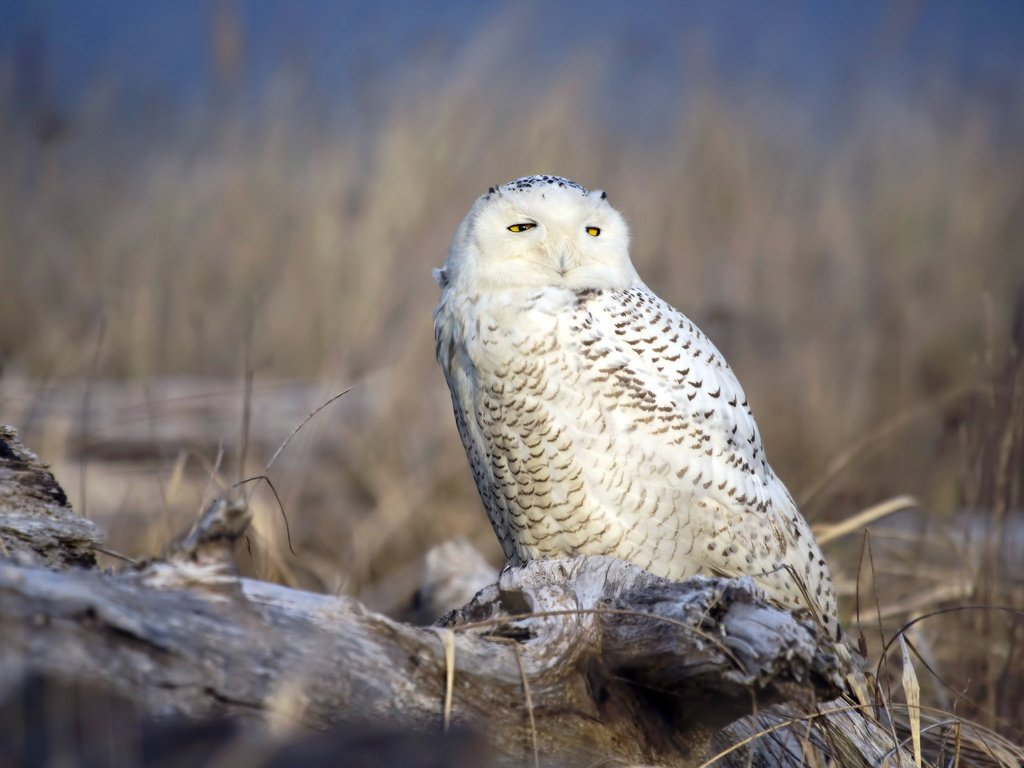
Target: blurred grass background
{"x": 857, "y": 255}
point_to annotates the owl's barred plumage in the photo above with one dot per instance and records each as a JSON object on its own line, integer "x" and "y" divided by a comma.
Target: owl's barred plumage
{"x": 598, "y": 419}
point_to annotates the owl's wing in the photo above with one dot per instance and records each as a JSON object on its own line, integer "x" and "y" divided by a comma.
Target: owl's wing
{"x": 454, "y": 332}
{"x": 659, "y": 379}
{"x": 683, "y": 427}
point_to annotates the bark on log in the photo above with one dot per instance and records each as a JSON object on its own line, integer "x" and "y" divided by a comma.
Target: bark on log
{"x": 564, "y": 662}
{"x": 37, "y": 525}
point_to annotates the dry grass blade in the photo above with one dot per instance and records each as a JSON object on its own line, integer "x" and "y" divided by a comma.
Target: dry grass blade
{"x": 212, "y": 470}
{"x": 912, "y": 690}
{"x": 175, "y": 482}
{"x": 305, "y": 421}
{"x": 86, "y": 403}
{"x": 810, "y": 717}
{"x": 265, "y": 475}
{"x": 940, "y": 612}
{"x": 978, "y": 745}
{"x": 448, "y": 643}
{"x": 104, "y": 550}
{"x": 827, "y": 533}
{"x": 243, "y": 440}
{"x": 529, "y": 705}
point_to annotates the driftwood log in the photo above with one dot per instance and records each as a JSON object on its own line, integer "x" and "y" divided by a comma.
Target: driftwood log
{"x": 588, "y": 661}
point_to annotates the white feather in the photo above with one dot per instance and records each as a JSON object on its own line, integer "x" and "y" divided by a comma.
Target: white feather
{"x": 596, "y": 418}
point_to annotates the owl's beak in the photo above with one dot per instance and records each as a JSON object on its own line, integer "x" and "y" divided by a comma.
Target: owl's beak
{"x": 565, "y": 258}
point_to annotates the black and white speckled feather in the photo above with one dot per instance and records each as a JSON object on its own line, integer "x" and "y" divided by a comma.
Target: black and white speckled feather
{"x": 597, "y": 419}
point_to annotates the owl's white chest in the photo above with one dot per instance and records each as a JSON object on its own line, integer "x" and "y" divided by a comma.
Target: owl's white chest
{"x": 511, "y": 377}
{"x": 548, "y": 411}
{"x": 491, "y": 329}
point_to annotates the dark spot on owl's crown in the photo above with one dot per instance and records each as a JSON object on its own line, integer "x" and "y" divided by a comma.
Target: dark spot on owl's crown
{"x": 527, "y": 183}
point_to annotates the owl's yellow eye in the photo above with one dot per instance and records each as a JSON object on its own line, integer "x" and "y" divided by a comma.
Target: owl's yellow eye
{"x": 593, "y": 231}
{"x": 521, "y": 227}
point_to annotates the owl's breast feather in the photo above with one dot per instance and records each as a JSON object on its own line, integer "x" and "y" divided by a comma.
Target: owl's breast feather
{"x": 496, "y": 329}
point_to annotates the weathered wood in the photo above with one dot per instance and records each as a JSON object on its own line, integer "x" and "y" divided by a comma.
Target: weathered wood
{"x": 581, "y": 661}
{"x": 602, "y": 682}
{"x": 36, "y": 523}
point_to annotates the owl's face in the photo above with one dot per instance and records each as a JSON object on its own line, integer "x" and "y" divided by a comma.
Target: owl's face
{"x": 539, "y": 232}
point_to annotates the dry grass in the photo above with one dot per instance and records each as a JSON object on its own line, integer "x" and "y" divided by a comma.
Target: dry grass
{"x": 863, "y": 285}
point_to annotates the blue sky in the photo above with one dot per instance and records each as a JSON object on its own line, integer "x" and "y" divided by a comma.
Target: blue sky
{"x": 810, "y": 51}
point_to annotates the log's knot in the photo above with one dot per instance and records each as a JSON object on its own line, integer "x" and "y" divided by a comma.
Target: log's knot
{"x": 223, "y": 522}
{"x": 203, "y": 555}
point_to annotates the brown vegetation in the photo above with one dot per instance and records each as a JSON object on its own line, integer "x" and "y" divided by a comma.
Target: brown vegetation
{"x": 862, "y": 285}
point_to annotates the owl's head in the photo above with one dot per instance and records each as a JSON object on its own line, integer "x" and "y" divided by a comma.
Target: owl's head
{"x": 540, "y": 232}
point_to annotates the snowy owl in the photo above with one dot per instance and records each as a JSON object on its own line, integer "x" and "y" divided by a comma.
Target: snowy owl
{"x": 598, "y": 419}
